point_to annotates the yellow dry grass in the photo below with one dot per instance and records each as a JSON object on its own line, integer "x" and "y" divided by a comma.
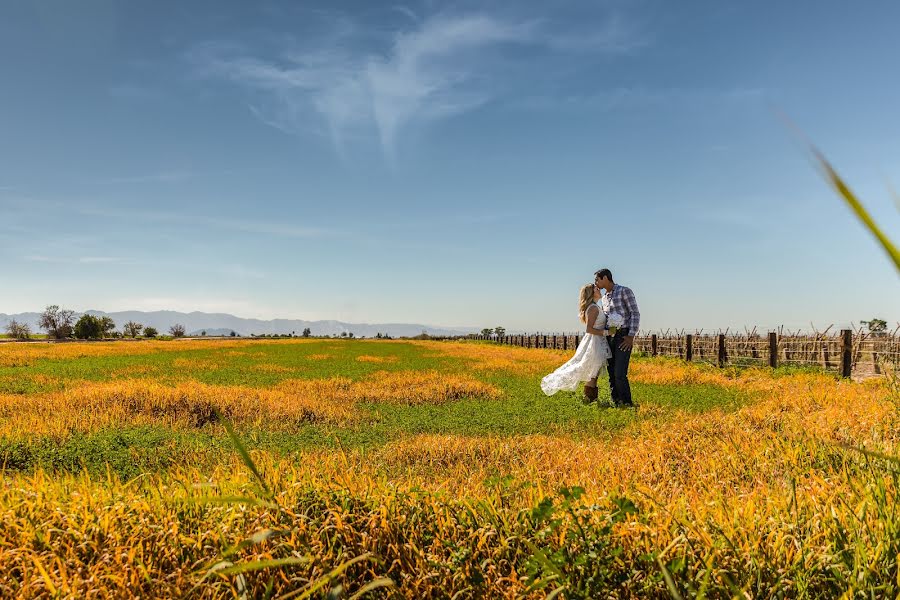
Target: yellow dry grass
{"x": 272, "y": 368}
{"x": 766, "y": 495}
{"x": 365, "y": 358}
{"x": 398, "y": 387}
{"x": 90, "y": 406}
{"x": 24, "y": 354}
{"x": 490, "y": 357}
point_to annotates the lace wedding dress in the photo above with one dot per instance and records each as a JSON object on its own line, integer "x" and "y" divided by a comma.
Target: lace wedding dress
{"x": 589, "y": 362}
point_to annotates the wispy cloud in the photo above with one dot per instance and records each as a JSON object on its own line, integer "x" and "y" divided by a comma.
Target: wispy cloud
{"x": 214, "y": 222}
{"x": 439, "y": 67}
{"x": 623, "y": 98}
{"x": 75, "y": 260}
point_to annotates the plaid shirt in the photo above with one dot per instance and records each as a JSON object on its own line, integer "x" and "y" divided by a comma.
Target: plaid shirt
{"x": 621, "y": 300}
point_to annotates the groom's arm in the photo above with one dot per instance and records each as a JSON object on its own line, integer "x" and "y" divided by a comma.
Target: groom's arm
{"x": 634, "y": 319}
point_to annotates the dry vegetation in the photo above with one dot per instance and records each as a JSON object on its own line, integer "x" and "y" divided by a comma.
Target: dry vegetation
{"x": 763, "y": 501}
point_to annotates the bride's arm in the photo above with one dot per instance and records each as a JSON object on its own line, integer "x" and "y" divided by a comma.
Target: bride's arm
{"x": 592, "y": 314}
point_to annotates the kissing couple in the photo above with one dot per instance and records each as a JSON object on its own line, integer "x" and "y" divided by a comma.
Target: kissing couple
{"x": 611, "y": 317}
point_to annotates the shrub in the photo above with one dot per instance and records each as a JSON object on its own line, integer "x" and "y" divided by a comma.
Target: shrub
{"x": 19, "y": 331}
{"x": 57, "y": 322}
{"x": 132, "y": 329}
{"x": 107, "y": 327}
{"x": 88, "y": 327}
{"x": 150, "y": 332}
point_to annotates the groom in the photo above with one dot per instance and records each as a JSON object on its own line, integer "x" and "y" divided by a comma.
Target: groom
{"x": 619, "y": 299}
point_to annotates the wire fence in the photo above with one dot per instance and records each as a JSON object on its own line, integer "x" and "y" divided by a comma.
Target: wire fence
{"x": 847, "y": 352}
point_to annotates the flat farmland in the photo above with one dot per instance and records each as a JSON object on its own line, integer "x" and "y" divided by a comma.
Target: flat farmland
{"x": 413, "y": 469}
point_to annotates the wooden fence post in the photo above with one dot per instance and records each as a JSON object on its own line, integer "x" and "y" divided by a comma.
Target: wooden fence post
{"x": 846, "y": 352}
{"x": 576, "y": 340}
{"x": 722, "y": 356}
{"x": 653, "y": 348}
{"x": 554, "y": 342}
{"x": 565, "y": 341}
{"x": 773, "y": 349}
{"x": 689, "y": 347}
{"x": 545, "y": 342}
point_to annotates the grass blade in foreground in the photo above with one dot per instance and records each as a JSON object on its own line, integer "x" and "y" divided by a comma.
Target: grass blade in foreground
{"x": 857, "y": 207}
{"x": 245, "y": 456}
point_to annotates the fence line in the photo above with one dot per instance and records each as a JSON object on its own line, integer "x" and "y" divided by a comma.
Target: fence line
{"x": 848, "y": 353}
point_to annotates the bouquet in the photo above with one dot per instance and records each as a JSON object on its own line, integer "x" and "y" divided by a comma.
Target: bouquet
{"x": 614, "y": 321}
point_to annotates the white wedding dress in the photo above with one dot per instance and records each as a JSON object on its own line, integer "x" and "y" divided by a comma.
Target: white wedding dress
{"x": 589, "y": 362}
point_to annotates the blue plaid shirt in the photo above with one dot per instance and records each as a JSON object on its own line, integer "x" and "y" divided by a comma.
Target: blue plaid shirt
{"x": 621, "y": 300}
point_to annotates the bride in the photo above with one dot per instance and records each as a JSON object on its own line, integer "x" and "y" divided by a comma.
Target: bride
{"x": 590, "y": 358}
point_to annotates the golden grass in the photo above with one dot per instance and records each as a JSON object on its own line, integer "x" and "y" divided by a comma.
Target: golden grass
{"x": 766, "y": 496}
{"x": 399, "y": 387}
{"x": 764, "y": 478}
{"x": 490, "y": 357}
{"x": 24, "y": 354}
{"x": 364, "y": 358}
{"x": 272, "y": 368}
{"x": 91, "y": 406}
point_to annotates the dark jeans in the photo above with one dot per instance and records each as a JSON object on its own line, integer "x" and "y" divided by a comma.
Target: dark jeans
{"x": 619, "y": 388}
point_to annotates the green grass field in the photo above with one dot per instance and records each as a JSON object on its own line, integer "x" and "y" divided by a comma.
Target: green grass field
{"x": 131, "y": 450}
{"x": 407, "y": 469}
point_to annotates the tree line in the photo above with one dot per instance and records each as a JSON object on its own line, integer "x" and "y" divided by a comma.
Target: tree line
{"x": 60, "y": 324}
{"x": 498, "y": 331}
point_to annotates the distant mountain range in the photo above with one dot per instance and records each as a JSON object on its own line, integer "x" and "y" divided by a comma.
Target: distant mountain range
{"x": 224, "y": 324}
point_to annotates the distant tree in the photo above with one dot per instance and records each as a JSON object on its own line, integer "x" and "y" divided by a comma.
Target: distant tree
{"x": 88, "y": 327}
{"x": 350, "y": 335}
{"x": 150, "y": 332}
{"x": 203, "y": 332}
{"x": 177, "y": 330}
{"x": 343, "y": 334}
{"x": 876, "y": 326}
{"x": 19, "y": 331}
{"x": 500, "y": 331}
{"x": 107, "y": 326}
{"x": 487, "y": 331}
{"x": 57, "y": 322}
{"x": 378, "y": 336}
{"x": 307, "y": 332}
{"x": 132, "y": 329}
{"x": 233, "y": 333}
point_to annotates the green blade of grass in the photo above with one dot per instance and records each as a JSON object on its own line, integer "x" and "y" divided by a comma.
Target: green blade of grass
{"x": 372, "y": 585}
{"x": 258, "y": 565}
{"x": 323, "y": 581}
{"x": 856, "y": 206}
{"x": 245, "y": 456}
{"x": 259, "y": 537}
{"x": 229, "y": 500}
{"x": 670, "y": 583}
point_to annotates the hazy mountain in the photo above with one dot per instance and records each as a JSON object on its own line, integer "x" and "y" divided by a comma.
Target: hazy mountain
{"x": 224, "y": 324}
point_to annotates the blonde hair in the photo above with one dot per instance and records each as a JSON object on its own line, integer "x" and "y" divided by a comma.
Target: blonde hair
{"x": 585, "y": 299}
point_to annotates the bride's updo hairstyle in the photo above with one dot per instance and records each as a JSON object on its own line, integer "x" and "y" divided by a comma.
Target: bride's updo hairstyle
{"x": 585, "y": 299}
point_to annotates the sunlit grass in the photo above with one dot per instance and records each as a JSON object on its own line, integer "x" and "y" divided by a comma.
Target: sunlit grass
{"x": 443, "y": 465}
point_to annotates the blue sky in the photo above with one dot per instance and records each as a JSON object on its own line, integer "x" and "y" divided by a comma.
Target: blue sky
{"x": 448, "y": 163}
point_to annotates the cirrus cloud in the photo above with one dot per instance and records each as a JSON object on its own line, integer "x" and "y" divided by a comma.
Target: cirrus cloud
{"x": 442, "y": 66}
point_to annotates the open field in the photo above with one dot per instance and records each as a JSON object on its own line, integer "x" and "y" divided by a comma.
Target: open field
{"x": 434, "y": 469}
